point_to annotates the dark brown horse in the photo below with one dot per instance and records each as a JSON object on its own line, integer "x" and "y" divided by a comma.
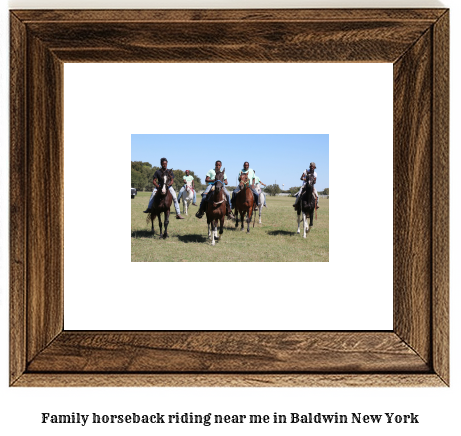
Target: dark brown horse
{"x": 306, "y": 204}
{"x": 244, "y": 201}
{"x": 216, "y": 209}
{"x": 162, "y": 203}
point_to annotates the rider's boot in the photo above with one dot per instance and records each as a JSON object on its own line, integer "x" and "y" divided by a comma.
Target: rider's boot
{"x": 229, "y": 211}
{"x": 201, "y": 210}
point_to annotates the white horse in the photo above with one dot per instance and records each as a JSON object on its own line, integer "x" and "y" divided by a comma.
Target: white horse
{"x": 261, "y": 197}
{"x": 187, "y": 197}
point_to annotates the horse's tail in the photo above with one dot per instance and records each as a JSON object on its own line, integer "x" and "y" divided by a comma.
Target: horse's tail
{"x": 150, "y": 217}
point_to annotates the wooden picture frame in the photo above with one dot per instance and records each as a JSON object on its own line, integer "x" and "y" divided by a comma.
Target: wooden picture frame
{"x": 414, "y": 353}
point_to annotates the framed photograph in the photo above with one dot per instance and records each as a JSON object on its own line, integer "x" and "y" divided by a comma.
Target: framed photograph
{"x": 415, "y": 352}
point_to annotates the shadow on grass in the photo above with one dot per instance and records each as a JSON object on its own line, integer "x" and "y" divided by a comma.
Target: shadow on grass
{"x": 281, "y": 232}
{"x": 143, "y": 234}
{"x": 192, "y": 238}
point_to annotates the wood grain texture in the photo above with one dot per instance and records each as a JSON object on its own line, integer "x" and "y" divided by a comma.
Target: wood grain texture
{"x": 45, "y": 177}
{"x": 203, "y": 15}
{"x": 441, "y": 197}
{"x": 412, "y": 190}
{"x": 243, "y": 41}
{"x": 414, "y": 354}
{"x": 236, "y": 352}
{"x": 18, "y": 192}
{"x": 230, "y": 380}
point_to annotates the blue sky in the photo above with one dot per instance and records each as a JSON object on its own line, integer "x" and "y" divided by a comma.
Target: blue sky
{"x": 277, "y": 159}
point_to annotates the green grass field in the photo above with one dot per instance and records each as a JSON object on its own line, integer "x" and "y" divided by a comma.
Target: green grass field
{"x": 275, "y": 240}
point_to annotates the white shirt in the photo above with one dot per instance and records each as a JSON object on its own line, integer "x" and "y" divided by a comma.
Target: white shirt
{"x": 305, "y": 174}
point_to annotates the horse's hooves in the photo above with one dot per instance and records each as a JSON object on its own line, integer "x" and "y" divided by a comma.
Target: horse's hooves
{"x": 166, "y": 236}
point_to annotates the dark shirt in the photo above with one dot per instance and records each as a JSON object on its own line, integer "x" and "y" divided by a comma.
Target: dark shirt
{"x": 160, "y": 173}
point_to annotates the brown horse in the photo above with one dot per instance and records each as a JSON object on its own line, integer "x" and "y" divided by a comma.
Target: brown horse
{"x": 244, "y": 201}
{"x": 216, "y": 209}
{"x": 162, "y": 203}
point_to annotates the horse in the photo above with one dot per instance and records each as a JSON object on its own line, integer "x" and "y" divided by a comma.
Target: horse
{"x": 306, "y": 204}
{"x": 187, "y": 197}
{"x": 216, "y": 209}
{"x": 261, "y": 201}
{"x": 244, "y": 201}
{"x": 162, "y": 203}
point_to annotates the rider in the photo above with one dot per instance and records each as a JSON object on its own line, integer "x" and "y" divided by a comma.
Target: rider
{"x": 157, "y": 176}
{"x": 251, "y": 176}
{"x": 312, "y": 168}
{"x": 210, "y": 178}
{"x": 257, "y": 182}
{"x": 188, "y": 178}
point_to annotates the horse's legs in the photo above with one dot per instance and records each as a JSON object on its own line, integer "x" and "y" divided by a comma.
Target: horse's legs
{"x": 167, "y": 221}
{"x": 236, "y": 217}
{"x": 305, "y": 225}
{"x": 242, "y": 218}
{"x": 209, "y": 232}
{"x": 160, "y": 224}
{"x": 212, "y": 236}
{"x": 221, "y": 225}
{"x": 299, "y": 221}
{"x": 215, "y": 228}
{"x": 250, "y": 214}
{"x": 311, "y": 213}
{"x": 152, "y": 222}
{"x": 212, "y": 223}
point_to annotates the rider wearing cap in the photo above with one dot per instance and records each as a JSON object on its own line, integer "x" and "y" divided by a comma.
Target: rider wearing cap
{"x": 188, "y": 178}
{"x": 210, "y": 179}
{"x": 312, "y": 168}
{"x": 158, "y": 176}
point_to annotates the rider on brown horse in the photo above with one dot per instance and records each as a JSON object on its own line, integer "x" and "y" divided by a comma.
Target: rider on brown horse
{"x": 210, "y": 179}
{"x": 159, "y": 176}
{"x": 251, "y": 179}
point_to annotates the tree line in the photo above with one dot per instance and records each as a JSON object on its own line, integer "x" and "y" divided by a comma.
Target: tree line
{"x": 142, "y": 175}
{"x": 275, "y": 189}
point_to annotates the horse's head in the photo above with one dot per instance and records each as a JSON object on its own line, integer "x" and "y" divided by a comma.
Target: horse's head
{"x": 219, "y": 180}
{"x": 165, "y": 181}
{"x": 188, "y": 186}
{"x": 309, "y": 178}
{"x": 244, "y": 180}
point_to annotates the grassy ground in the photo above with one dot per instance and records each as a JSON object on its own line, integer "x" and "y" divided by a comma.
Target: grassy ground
{"x": 275, "y": 240}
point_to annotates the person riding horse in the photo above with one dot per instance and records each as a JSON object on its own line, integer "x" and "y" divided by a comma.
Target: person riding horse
{"x": 159, "y": 176}
{"x": 251, "y": 179}
{"x": 210, "y": 179}
{"x": 188, "y": 178}
{"x": 312, "y": 168}
{"x": 257, "y": 183}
